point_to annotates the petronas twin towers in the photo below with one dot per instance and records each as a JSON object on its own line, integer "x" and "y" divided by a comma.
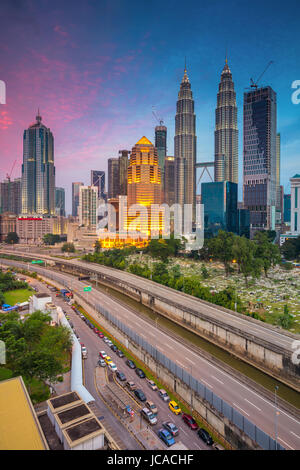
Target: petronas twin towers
{"x": 185, "y": 140}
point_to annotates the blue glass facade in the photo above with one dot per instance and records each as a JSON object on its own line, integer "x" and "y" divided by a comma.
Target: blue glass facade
{"x": 287, "y": 208}
{"x": 220, "y": 207}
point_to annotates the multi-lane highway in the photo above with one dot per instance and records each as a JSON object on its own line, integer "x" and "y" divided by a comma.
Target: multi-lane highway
{"x": 248, "y": 402}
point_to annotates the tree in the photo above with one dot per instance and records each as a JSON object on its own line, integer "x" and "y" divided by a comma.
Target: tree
{"x": 291, "y": 249}
{"x": 221, "y": 248}
{"x": 266, "y": 252}
{"x": 286, "y": 319}
{"x": 50, "y": 239}
{"x": 68, "y": 248}
{"x": 12, "y": 238}
{"x": 204, "y": 272}
{"x": 97, "y": 246}
{"x": 243, "y": 251}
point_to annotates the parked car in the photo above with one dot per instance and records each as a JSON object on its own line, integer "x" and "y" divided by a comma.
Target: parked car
{"x": 112, "y": 367}
{"x": 205, "y": 436}
{"x": 102, "y": 354}
{"x": 171, "y": 427}
{"x": 100, "y": 334}
{"x": 130, "y": 385}
{"x": 130, "y": 364}
{"x": 101, "y": 363}
{"x": 120, "y": 353}
{"x": 109, "y": 342}
{"x": 217, "y": 446}
{"x": 152, "y": 407}
{"x": 151, "y": 384}
{"x": 105, "y": 339}
{"x": 114, "y": 347}
{"x": 108, "y": 359}
{"x": 121, "y": 376}
{"x": 174, "y": 407}
{"x": 140, "y": 394}
{"x": 140, "y": 373}
{"x": 189, "y": 420}
{"x": 166, "y": 437}
{"x": 163, "y": 395}
{"x": 149, "y": 416}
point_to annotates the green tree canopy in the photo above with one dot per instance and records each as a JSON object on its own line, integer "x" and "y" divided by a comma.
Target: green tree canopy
{"x": 68, "y": 248}
{"x": 12, "y": 238}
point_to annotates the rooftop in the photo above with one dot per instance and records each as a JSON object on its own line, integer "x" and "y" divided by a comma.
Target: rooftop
{"x": 19, "y": 426}
{"x": 42, "y": 295}
{"x": 83, "y": 429}
{"x": 65, "y": 399}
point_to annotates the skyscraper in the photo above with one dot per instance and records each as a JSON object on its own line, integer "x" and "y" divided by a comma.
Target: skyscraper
{"x": 169, "y": 181}
{"x": 123, "y": 170}
{"x": 295, "y": 204}
{"x": 259, "y": 188}
{"x": 38, "y": 171}
{"x": 144, "y": 184}
{"x": 87, "y": 209}
{"x": 98, "y": 179}
{"x": 113, "y": 177}
{"x": 185, "y": 145}
{"x": 161, "y": 146}
{"x": 226, "y": 131}
{"x": 279, "y": 192}
{"x": 60, "y": 202}
{"x": 10, "y": 196}
{"x": 75, "y": 198}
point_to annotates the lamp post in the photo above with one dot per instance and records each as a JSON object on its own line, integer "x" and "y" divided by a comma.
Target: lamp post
{"x": 276, "y": 417}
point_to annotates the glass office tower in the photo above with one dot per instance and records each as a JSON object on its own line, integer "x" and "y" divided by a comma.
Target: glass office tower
{"x": 75, "y": 198}
{"x": 98, "y": 179}
{"x": 113, "y": 177}
{"x": 220, "y": 207}
{"x": 60, "y": 202}
{"x": 161, "y": 147}
{"x": 260, "y": 161}
{"x": 38, "y": 171}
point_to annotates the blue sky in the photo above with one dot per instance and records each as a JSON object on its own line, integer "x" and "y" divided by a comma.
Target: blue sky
{"x": 96, "y": 69}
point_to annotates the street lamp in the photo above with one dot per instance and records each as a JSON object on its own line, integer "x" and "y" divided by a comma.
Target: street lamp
{"x": 276, "y": 417}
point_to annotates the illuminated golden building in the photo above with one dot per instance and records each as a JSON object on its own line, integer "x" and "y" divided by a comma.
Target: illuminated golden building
{"x": 144, "y": 188}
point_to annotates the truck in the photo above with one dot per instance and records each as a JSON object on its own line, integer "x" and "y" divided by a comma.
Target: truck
{"x": 66, "y": 293}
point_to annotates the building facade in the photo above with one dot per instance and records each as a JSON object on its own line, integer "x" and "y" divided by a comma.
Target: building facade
{"x": 75, "y": 198}
{"x": 169, "y": 181}
{"x": 10, "y": 196}
{"x": 226, "y": 130}
{"x": 31, "y": 230}
{"x": 60, "y": 201}
{"x": 161, "y": 147}
{"x": 185, "y": 145}
{"x": 113, "y": 177}
{"x": 87, "y": 209}
{"x": 260, "y": 129}
{"x": 220, "y": 207}
{"x": 98, "y": 179}
{"x": 7, "y": 224}
{"x": 38, "y": 171}
{"x": 295, "y": 204}
{"x": 123, "y": 171}
{"x": 287, "y": 209}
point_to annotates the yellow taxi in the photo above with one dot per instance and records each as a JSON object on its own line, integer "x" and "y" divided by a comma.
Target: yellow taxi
{"x": 174, "y": 407}
{"x": 108, "y": 360}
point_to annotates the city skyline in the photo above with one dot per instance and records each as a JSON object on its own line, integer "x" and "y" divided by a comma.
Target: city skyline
{"x": 102, "y": 101}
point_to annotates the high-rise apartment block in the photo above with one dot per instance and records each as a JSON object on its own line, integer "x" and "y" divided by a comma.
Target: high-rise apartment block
{"x": 10, "y": 196}
{"x": 88, "y": 204}
{"x": 75, "y": 198}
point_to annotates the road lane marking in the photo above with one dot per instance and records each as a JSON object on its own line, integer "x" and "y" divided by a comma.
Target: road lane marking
{"x": 237, "y": 406}
{"x": 180, "y": 363}
{"x": 295, "y": 434}
{"x": 187, "y": 359}
{"x": 218, "y": 380}
{"x": 210, "y": 386}
{"x": 250, "y": 403}
{"x": 285, "y": 443}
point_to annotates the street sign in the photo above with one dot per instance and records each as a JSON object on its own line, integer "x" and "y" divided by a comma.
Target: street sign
{"x": 87, "y": 289}
{"x": 37, "y": 261}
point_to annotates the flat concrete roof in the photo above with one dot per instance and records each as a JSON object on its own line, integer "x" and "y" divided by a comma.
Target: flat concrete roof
{"x": 84, "y": 429}
{"x": 19, "y": 426}
{"x": 73, "y": 413}
{"x": 65, "y": 399}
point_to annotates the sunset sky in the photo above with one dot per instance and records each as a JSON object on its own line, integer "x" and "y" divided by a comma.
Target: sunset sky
{"x": 96, "y": 68}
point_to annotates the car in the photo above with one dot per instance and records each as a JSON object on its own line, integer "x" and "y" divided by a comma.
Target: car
{"x": 149, "y": 416}
{"x": 112, "y": 367}
{"x": 140, "y": 394}
{"x": 105, "y": 339}
{"x": 189, "y": 420}
{"x": 108, "y": 359}
{"x": 171, "y": 427}
{"x": 163, "y": 395}
{"x": 140, "y": 373}
{"x": 109, "y": 342}
{"x": 101, "y": 363}
{"x": 151, "y": 384}
{"x": 121, "y": 376}
{"x": 96, "y": 330}
{"x": 114, "y": 348}
{"x": 130, "y": 385}
{"x": 217, "y": 446}
{"x": 100, "y": 334}
{"x": 152, "y": 407}
{"x": 166, "y": 437}
{"x": 102, "y": 354}
{"x": 120, "y": 353}
{"x": 205, "y": 436}
{"x": 130, "y": 364}
{"x": 174, "y": 407}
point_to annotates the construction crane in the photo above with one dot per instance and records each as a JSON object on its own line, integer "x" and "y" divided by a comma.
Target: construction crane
{"x": 160, "y": 120}
{"x": 8, "y": 175}
{"x": 255, "y": 84}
